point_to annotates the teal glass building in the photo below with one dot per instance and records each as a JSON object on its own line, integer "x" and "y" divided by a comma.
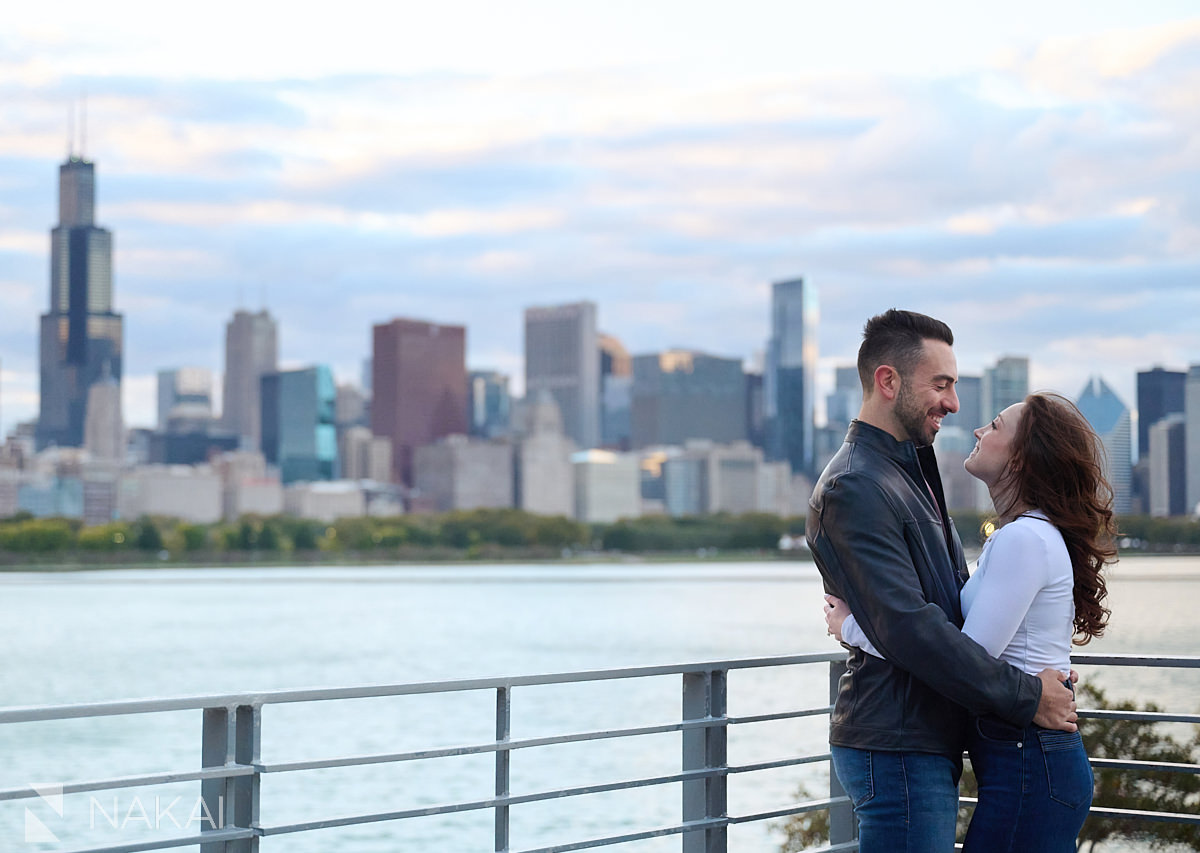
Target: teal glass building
{"x": 299, "y": 432}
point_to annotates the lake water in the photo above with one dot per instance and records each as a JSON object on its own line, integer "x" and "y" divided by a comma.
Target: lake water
{"x": 101, "y": 635}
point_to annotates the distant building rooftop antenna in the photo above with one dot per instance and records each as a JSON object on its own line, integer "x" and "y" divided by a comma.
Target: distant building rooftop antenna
{"x": 81, "y": 139}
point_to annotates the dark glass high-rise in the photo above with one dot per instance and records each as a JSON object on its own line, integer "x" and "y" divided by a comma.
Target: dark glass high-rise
{"x": 81, "y": 335}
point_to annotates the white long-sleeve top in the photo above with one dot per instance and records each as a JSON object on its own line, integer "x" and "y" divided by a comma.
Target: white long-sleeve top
{"x": 1018, "y": 603}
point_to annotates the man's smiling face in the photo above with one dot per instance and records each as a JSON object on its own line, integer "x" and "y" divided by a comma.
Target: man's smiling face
{"x": 928, "y": 395}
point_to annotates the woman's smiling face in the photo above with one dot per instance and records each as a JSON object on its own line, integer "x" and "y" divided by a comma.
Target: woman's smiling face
{"x": 993, "y": 445}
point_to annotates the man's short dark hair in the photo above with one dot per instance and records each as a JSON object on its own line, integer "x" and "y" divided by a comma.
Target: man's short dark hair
{"x": 897, "y": 338}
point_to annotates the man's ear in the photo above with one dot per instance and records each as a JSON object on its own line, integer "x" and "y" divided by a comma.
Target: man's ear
{"x": 887, "y": 381}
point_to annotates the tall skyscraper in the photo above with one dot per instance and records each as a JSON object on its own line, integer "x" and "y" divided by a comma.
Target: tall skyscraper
{"x": 81, "y": 335}
{"x": 299, "y": 433}
{"x": 756, "y": 432}
{"x": 489, "y": 404}
{"x": 1159, "y": 393}
{"x": 843, "y": 404}
{"x": 681, "y": 394}
{"x": 104, "y": 430}
{"x": 352, "y": 409}
{"x": 1191, "y": 415}
{"x": 562, "y": 356}
{"x": 970, "y": 412}
{"x": 545, "y": 477}
{"x": 614, "y": 358}
{"x": 419, "y": 381}
{"x": 1167, "y": 464}
{"x": 364, "y": 456}
{"x": 251, "y": 351}
{"x": 791, "y": 374}
{"x": 1111, "y": 420}
{"x": 616, "y": 393}
{"x": 184, "y": 397}
{"x": 1004, "y": 384}
{"x": 841, "y": 407}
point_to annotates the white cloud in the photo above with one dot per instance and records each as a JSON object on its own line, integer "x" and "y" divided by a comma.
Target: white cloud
{"x": 19, "y": 391}
{"x": 1084, "y": 66}
{"x": 171, "y": 263}
{"x": 433, "y": 223}
{"x": 139, "y": 399}
{"x": 28, "y": 242}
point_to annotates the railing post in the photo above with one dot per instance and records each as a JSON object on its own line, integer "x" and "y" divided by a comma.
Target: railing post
{"x": 231, "y": 736}
{"x": 704, "y": 697}
{"x": 503, "y": 730}
{"x": 843, "y": 826}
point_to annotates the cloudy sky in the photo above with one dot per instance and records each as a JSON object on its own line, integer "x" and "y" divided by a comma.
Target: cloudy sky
{"x": 1027, "y": 171}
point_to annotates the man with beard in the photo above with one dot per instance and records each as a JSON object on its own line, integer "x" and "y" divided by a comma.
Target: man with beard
{"x": 882, "y": 538}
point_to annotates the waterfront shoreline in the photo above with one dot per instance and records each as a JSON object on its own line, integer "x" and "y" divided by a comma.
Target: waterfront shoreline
{"x": 440, "y": 558}
{"x": 12, "y": 563}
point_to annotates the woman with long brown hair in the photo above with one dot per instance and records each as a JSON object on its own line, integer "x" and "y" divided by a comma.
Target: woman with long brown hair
{"x": 1037, "y": 588}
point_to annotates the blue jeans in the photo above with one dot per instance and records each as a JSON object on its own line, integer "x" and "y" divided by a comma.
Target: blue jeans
{"x": 905, "y": 802}
{"x": 1035, "y": 787}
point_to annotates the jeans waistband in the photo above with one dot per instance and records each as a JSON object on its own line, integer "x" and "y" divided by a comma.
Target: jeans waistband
{"x": 991, "y": 726}
{"x": 996, "y": 728}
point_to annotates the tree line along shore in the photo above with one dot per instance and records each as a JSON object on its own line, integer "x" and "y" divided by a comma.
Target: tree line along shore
{"x": 480, "y": 534}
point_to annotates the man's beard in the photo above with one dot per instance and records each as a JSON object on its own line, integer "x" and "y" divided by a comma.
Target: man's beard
{"x": 913, "y": 418}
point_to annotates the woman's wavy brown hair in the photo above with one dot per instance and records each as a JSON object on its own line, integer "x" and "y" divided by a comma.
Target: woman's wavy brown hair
{"x": 1057, "y": 466}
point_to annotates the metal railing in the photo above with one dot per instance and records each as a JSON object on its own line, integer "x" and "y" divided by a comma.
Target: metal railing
{"x": 233, "y": 769}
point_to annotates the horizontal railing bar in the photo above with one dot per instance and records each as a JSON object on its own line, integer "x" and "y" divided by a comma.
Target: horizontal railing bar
{"x": 1184, "y": 662}
{"x": 493, "y": 802}
{"x": 122, "y": 707}
{"x": 227, "y": 700}
{"x": 777, "y": 764}
{"x": 690, "y": 826}
{"x": 39, "y": 713}
{"x": 380, "y": 817}
{"x": 713, "y": 823}
{"x": 1145, "y": 766}
{"x": 119, "y": 782}
{"x": 214, "y": 837}
{"x": 787, "y": 811}
{"x": 552, "y": 740}
{"x": 489, "y": 747}
{"x": 781, "y": 715}
{"x": 1136, "y": 814}
{"x": 1139, "y": 716}
{"x": 1131, "y": 814}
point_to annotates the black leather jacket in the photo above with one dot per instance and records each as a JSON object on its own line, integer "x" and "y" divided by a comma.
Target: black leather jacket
{"x": 884, "y": 543}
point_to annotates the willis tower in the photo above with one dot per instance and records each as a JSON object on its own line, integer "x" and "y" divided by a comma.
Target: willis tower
{"x": 81, "y": 336}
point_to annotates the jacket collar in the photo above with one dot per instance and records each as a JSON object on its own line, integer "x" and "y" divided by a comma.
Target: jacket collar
{"x": 905, "y": 452}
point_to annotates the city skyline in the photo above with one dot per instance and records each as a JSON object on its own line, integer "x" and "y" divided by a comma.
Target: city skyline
{"x": 1029, "y": 181}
